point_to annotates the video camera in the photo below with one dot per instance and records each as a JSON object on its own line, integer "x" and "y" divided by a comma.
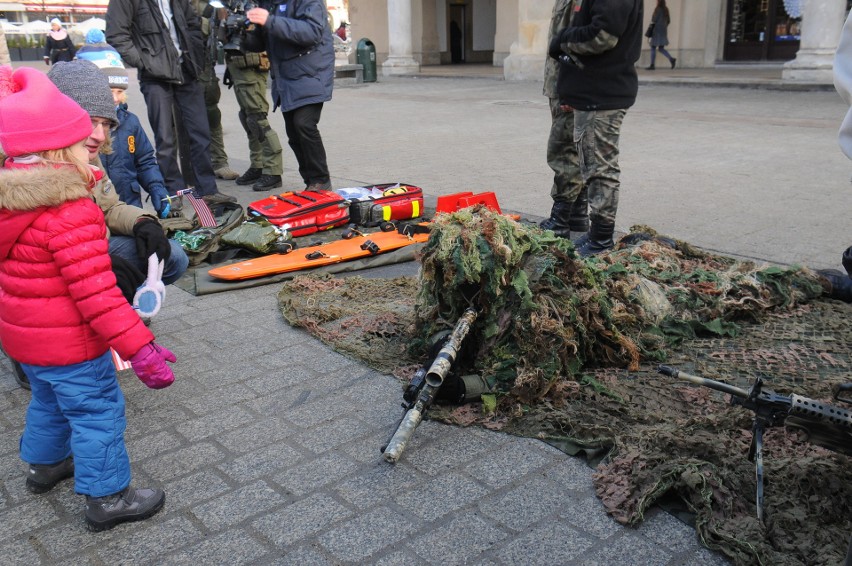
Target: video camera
{"x": 234, "y": 27}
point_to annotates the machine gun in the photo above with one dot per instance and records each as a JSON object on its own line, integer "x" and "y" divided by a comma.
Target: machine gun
{"x": 425, "y": 386}
{"x": 824, "y": 425}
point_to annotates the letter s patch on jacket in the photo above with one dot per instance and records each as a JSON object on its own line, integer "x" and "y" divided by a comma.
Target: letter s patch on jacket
{"x": 131, "y": 144}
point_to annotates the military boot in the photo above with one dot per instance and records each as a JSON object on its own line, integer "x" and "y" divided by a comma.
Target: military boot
{"x": 559, "y": 219}
{"x": 597, "y": 240}
{"x": 839, "y": 285}
{"x": 578, "y": 217}
{"x": 847, "y": 261}
{"x": 44, "y": 477}
{"x": 103, "y": 513}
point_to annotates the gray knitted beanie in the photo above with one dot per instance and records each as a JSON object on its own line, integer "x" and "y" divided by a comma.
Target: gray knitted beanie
{"x": 84, "y": 83}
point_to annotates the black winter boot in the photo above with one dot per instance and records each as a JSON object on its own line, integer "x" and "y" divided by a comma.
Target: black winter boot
{"x": 847, "y": 261}
{"x": 559, "y": 219}
{"x": 578, "y": 217}
{"x": 839, "y": 284}
{"x": 249, "y": 177}
{"x": 44, "y": 477}
{"x": 103, "y": 513}
{"x": 598, "y": 240}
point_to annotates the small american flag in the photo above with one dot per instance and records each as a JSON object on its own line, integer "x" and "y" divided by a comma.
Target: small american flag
{"x": 120, "y": 365}
{"x": 202, "y": 211}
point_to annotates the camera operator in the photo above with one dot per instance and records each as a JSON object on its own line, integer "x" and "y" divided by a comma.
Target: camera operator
{"x": 248, "y": 73}
{"x": 298, "y": 40}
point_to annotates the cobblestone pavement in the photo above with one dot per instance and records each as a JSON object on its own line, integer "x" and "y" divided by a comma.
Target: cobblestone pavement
{"x": 268, "y": 443}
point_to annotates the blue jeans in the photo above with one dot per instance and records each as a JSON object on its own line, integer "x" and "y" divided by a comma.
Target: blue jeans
{"x": 176, "y": 265}
{"x": 78, "y": 409}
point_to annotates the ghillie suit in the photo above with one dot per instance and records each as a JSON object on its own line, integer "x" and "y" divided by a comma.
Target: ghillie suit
{"x": 557, "y": 336}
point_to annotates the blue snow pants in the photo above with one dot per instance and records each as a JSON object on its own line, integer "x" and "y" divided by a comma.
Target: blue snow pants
{"x": 78, "y": 409}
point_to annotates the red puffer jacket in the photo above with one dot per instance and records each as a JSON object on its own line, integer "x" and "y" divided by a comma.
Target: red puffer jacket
{"x": 59, "y": 303}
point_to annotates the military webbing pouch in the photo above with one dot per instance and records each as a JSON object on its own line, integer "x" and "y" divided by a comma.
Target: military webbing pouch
{"x": 257, "y": 235}
{"x": 200, "y": 242}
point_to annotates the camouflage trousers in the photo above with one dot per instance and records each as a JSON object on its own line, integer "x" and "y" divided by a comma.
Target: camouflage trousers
{"x": 562, "y": 155}
{"x": 583, "y": 150}
{"x": 596, "y": 136}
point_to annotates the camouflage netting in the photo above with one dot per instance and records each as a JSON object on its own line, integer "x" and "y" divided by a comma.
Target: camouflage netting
{"x": 571, "y": 346}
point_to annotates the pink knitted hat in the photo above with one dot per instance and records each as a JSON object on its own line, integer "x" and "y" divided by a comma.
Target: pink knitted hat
{"x": 35, "y": 116}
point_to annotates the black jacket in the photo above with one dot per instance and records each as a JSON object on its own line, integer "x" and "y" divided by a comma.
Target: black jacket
{"x": 598, "y": 53}
{"x": 136, "y": 29}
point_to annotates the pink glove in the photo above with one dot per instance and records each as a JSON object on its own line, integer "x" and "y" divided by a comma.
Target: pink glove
{"x": 149, "y": 363}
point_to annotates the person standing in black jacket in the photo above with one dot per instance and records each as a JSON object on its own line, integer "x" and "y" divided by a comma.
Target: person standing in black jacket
{"x": 57, "y": 44}
{"x": 597, "y": 53}
{"x": 163, "y": 40}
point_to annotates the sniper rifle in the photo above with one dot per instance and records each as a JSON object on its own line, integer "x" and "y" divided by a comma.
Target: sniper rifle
{"x": 824, "y": 425}
{"x": 425, "y": 386}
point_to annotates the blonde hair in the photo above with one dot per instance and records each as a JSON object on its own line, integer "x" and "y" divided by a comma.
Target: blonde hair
{"x": 66, "y": 157}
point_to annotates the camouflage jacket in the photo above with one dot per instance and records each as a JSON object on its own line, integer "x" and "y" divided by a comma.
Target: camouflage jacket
{"x": 560, "y": 19}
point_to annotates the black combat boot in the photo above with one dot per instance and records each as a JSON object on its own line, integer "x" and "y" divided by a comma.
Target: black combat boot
{"x": 847, "y": 261}
{"x": 249, "y": 177}
{"x": 267, "y": 182}
{"x": 578, "y": 217}
{"x": 598, "y": 240}
{"x": 103, "y": 513}
{"x": 839, "y": 284}
{"x": 560, "y": 213}
{"x": 44, "y": 477}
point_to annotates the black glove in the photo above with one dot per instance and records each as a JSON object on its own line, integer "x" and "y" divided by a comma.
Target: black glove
{"x": 128, "y": 278}
{"x": 555, "y": 47}
{"x": 227, "y": 80}
{"x": 150, "y": 239}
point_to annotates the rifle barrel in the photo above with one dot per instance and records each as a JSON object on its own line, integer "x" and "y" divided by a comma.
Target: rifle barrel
{"x": 712, "y": 384}
{"x": 447, "y": 356}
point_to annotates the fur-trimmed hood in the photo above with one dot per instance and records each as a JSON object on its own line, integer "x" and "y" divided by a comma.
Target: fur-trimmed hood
{"x": 38, "y": 186}
{"x": 26, "y": 192}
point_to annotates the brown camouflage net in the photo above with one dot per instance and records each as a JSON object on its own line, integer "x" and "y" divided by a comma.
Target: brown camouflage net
{"x": 571, "y": 347}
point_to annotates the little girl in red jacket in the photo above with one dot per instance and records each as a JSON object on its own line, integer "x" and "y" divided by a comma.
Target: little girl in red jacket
{"x": 60, "y": 309}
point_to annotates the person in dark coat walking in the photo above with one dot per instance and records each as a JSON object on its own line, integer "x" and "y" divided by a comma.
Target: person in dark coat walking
{"x": 660, "y": 36}
{"x": 298, "y": 40}
{"x": 57, "y": 44}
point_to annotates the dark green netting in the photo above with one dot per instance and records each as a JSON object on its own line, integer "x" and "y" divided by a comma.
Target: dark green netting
{"x": 571, "y": 346}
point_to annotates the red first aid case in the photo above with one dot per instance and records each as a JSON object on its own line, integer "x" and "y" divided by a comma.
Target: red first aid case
{"x": 303, "y": 212}
{"x": 374, "y": 204}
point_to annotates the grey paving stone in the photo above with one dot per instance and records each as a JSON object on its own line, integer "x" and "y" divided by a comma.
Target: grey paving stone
{"x": 549, "y": 544}
{"x": 511, "y": 462}
{"x": 153, "y": 420}
{"x": 149, "y": 541}
{"x": 627, "y": 549}
{"x": 185, "y": 460}
{"x": 458, "y": 541}
{"x": 313, "y": 474}
{"x": 307, "y": 555}
{"x": 66, "y": 538}
{"x": 267, "y": 380}
{"x": 317, "y": 410}
{"x": 328, "y": 435}
{"x": 517, "y": 510}
{"x": 214, "y": 424}
{"x": 261, "y": 461}
{"x": 358, "y": 538}
{"x": 192, "y": 489}
{"x": 703, "y": 557}
{"x": 228, "y": 548}
{"x": 260, "y": 432}
{"x": 18, "y": 552}
{"x": 450, "y": 447}
{"x": 572, "y": 473}
{"x": 587, "y": 514}
{"x": 217, "y": 398}
{"x": 238, "y": 505}
{"x": 376, "y": 483}
{"x": 301, "y": 520}
{"x": 666, "y": 530}
{"x": 441, "y": 495}
{"x": 400, "y": 558}
{"x": 142, "y": 447}
{"x": 26, "y": 517}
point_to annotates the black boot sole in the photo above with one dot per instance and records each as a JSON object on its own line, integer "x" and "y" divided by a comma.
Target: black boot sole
{"x": 97, "y": 527}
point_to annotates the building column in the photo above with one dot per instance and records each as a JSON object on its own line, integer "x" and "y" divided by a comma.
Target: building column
{"x": 822, "y": 22}
{"x": 528, "y": 52}
{"x": 400, "y": 60}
